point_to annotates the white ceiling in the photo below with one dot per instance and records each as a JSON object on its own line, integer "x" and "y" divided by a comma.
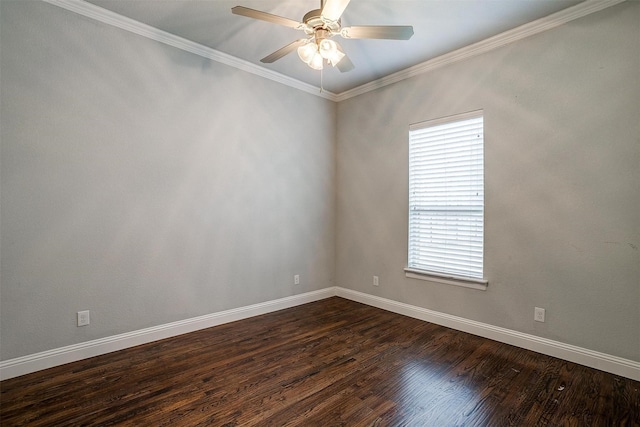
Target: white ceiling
{"x": 440, "y": 27}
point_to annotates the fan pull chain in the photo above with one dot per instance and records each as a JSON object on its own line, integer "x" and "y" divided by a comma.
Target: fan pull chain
{"x": 321, "y": 88}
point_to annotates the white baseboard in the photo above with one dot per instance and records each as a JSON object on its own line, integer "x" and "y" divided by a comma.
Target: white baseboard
{"x": 47, "y": 359}
{"x": 593, "y": 359}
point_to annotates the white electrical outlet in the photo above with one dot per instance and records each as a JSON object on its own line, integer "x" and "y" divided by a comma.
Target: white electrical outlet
{"x": 376, "y": 281}
{"x": 83, "y": 318}
{"x": 296, "y": 279}
{"x": 538, "y": 314}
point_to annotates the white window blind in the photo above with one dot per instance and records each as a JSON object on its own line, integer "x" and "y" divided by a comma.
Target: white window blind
{"x": 446, "y": 196}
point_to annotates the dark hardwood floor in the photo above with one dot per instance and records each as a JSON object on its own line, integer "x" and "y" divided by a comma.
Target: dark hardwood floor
{"x": 329, "y": 363}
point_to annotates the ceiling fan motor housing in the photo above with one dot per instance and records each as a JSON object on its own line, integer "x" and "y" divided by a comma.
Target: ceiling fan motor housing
{"x": 315, "y": 22}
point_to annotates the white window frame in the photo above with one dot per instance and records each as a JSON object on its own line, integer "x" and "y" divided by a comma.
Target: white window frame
{"x": 446, "y": 200}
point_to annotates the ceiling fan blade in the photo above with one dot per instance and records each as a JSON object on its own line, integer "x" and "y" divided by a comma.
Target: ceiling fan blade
{"x": 392, "y": 32}
{"x": 264, "y": 16}
{"x": 345, "y": 63}
{"x": 332, "y": 9}
{"x": 283, "y": 51}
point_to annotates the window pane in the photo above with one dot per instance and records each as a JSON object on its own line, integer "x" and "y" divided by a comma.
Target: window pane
{"x": 446, "y": 196}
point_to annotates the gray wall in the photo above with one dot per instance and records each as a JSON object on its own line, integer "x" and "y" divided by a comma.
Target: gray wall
{"x": 147, "y": 184}
{"x": 562, "y": 176}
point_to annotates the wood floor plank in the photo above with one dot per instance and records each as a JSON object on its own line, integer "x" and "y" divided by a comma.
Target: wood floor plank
{"x": 329, "y": 363}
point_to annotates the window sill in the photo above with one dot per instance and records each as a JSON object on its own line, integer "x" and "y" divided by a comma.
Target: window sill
{"x": 479, "y": 284}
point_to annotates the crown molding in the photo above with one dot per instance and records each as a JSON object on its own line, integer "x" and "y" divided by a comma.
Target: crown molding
{"x": 580, "y": 10}
{"x": 111, "y": 18}
{"x": 529, "y": 29}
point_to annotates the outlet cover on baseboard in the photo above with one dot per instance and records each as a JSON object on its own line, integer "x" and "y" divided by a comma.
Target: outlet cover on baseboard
{"x": 83, "y": 318}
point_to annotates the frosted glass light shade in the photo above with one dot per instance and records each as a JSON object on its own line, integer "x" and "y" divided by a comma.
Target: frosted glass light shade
{"x": 307, "y": 52}
{"x": 336, "y": 57}
{"x": 329, "y": 51}
{"x": 327, "y": 48}
{"x": 316, "y": 62}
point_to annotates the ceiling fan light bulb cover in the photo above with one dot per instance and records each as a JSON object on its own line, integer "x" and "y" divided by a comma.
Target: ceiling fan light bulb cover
{"x": 316, "y": 62}
{"x": 328, "y": 48}
{"x": 307, "y": 52}
{"x": 336, "y": 57}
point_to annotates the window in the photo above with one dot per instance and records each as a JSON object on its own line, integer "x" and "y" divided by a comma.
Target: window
{"x": 446, "y": 198}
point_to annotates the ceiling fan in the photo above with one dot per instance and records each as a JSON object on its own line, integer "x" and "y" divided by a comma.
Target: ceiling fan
{"x": 320, "y": 25}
